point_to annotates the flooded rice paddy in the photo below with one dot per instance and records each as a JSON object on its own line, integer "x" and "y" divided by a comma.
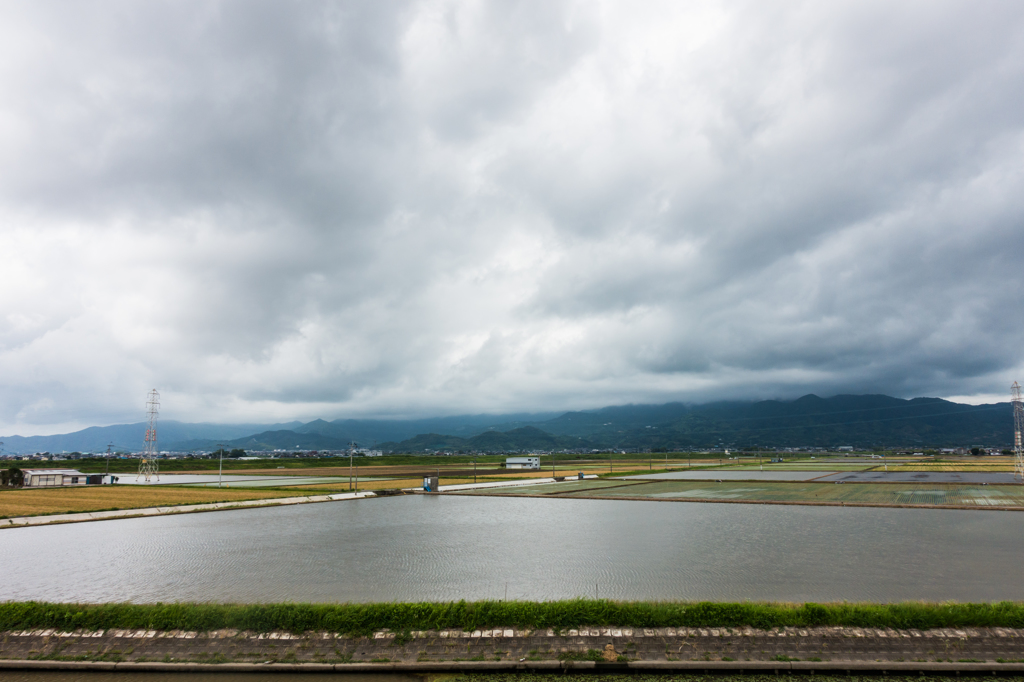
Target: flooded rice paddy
{"x": 986, "y": 477}
{"x": 895, "y": 491}
{"x": 440, "y": 548}
{"x": 732, "y": 475}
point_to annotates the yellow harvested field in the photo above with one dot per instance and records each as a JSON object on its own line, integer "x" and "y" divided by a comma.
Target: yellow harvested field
{"x": 30, "y": 502}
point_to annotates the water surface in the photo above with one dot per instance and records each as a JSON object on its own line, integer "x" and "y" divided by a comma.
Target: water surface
{"x": 733, "y": 475}
{"x": 990, "y": 477}
{"x": 450, "y": 548}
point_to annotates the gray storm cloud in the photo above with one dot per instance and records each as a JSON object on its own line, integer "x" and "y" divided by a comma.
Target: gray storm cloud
{"x": 275, "y": 210}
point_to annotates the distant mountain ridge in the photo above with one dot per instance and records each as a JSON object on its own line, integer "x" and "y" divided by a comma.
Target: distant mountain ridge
{"x": 861, "y": 421}
{"x": 811, "y": 421}
{"x": 131, "y": 437}
{"x": 317, "y": 434}
{"x": 522, "y": 438}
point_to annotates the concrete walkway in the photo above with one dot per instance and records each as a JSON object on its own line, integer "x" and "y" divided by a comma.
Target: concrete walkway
{"x": 610, "y": 648}
{"x": 22, "y": 521}
{"x": 462, "y": 667}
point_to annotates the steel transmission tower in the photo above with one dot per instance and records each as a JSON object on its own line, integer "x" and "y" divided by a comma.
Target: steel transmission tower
{"x": 148, "y": 467}
{"x": 1018, "y": 427}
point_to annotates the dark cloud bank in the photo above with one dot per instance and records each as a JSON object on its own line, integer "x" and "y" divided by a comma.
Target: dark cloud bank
{"x": 278, "y": 210}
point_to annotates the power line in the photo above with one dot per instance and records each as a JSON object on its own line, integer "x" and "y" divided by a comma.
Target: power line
{"x": 1018, "y": 426}
{"x": 148, "y": 467}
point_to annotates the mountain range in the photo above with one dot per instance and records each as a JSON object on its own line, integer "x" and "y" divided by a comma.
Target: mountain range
{"x": 857, "y": 420}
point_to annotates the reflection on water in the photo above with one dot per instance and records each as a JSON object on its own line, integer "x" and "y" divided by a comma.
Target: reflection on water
{"x": 448, "y": 548}
{"x": 743, "y": 475}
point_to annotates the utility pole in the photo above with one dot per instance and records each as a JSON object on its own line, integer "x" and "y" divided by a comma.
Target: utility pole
{"x": 107, "y": 474}
{"x": 1018, "y": 427}
{"x": 220, "y": 471}
{"x": 148, "y": 467}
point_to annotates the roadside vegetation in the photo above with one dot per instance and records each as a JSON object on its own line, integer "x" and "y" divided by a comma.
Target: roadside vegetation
{"x": 747, "y": 677}
{"x": 363, "y": 619}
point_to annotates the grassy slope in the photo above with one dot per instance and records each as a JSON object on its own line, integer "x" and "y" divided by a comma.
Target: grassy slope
{"x": 361, "y": 619}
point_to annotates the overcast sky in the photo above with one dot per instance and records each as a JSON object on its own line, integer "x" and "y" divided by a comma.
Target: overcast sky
{"x": 280, "y": 210}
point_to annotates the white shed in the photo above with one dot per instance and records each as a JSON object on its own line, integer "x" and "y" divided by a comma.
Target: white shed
{"x": 38, "y": 478}
{"x": 522, "y": 462}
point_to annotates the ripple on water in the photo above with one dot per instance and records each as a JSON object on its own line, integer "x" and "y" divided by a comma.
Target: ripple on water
{"x": 448, "y": 548}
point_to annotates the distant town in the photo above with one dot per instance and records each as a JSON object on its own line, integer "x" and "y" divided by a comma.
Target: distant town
{"x": 729, "y": 453}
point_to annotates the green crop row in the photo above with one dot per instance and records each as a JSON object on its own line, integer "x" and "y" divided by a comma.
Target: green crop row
{"x": 361, "y": 619}
{"x": 713, "y": 677}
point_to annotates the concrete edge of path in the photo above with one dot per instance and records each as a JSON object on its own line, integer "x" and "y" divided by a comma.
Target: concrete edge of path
{"x": 79, "y": 517}
{"x": 512, "y": 666}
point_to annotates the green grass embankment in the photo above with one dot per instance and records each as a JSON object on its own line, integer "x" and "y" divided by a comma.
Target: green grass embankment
{"x": 362, "y": 619}
{"x": 718, "y": 677}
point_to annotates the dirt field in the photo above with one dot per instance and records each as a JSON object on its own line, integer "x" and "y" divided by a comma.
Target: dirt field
{"x": 28, "y": 502}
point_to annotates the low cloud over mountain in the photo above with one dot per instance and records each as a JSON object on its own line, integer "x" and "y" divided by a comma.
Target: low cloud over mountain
{"x": 273, "y": 211}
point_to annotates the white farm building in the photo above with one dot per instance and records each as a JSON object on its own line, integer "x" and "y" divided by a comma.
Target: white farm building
{"x": 522, "y": 462}
{"x": 38, "y": 478}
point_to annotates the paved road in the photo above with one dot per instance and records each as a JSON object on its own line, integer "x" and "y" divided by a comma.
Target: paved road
{"x": 705, "y": 648}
